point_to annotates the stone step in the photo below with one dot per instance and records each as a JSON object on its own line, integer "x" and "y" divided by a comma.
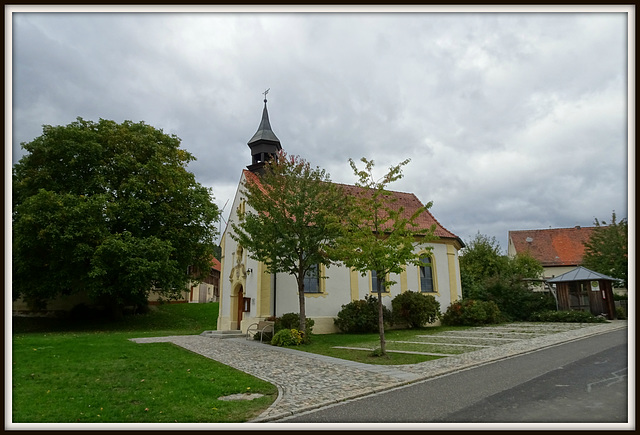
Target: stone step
{"x": 223, "y": 334}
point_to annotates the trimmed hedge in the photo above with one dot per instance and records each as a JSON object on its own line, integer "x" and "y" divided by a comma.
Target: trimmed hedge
{"x": 572, "y": 316}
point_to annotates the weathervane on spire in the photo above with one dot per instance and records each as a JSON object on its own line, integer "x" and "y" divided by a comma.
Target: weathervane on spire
{"x": 265, "y": 95}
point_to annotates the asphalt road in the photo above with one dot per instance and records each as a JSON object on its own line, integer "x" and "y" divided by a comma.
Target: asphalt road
{"x": 580, "y": 381}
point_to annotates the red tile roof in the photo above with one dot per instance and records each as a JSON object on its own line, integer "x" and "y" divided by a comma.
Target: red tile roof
{"x": 408, "y": 201}
{"x": 215, "y": 264}
{"x": 553, "y": 247}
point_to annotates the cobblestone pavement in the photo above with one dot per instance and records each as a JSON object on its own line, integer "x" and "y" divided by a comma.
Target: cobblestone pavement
{"x": 307, "y": 381}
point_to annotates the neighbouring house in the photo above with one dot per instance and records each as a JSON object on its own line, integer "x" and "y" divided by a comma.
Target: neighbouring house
{"x": 585, "y": 290}
{"x": 209, "y": 289}
{"x": 559, "y": 250}
{"x": 249, "y": 295}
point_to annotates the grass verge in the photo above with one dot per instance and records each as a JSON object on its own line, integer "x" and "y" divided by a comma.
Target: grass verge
{"x": 92, "y": 373}
{"x": 325, "y": 345}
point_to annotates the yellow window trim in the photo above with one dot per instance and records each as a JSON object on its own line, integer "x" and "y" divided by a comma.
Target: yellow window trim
{"x": 386, "y": 278}
{"x": 323, "y": 287}
{"x": 434, "y": 275}
{"x": 404, "y": 286}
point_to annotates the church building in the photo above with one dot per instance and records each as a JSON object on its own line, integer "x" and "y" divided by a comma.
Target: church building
{"x": 249, "y": 295}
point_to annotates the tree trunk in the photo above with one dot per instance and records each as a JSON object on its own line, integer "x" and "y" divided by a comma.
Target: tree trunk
{"x": 303, "y": 316}
{"x": 383, "y": 350}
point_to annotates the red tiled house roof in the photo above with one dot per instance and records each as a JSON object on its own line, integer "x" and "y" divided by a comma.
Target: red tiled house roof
{"x": 215, "y": 264}
{"x": 408, "y": 201}
{"x": 410, "y": 204}
{"x": 553, "y": 247}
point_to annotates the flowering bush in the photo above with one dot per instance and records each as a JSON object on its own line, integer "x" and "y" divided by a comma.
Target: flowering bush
{"x": 292, "y": 321}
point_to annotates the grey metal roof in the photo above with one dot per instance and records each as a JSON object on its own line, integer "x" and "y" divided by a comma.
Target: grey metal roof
{"x": 264, "y": 130}
{"x": 580, "y": 274}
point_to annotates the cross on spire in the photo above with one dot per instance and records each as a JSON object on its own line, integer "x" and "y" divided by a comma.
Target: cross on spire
{"x": 265, "y": 94}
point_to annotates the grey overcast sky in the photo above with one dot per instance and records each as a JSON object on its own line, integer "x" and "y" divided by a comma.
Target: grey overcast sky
{"x": 512, "y": 120}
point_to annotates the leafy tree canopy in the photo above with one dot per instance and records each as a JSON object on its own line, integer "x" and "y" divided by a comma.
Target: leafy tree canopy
{"x": 606, "y": 250}
{"x": 109, "y": 209}
{"x": 481, "y": 260}
{"x": 292, "y": 217}
{"x": 378, "y": 236}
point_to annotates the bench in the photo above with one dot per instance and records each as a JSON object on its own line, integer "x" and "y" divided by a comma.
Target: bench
{"x": 262, "y": 327}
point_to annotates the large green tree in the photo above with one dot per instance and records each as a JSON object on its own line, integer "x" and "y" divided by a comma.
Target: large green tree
{"x": 108, "y": 209}
{"x": 480, "y": 259}
{"x": 489, "y": 275}
{"x": 606, "y": 250}
{"x": 378, "y": 235}
{"x": 291, "y": 219}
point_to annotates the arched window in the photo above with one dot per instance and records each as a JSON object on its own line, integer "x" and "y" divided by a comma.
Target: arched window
{"x": 426, "y": 275}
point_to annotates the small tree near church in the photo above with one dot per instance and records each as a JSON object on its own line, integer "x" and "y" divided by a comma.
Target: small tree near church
{"x": 291, "y": 220}
{"x": 377, "y": 235}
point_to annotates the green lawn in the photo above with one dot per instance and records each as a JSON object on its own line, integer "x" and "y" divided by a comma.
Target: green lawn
{"x": 92, "y": 373}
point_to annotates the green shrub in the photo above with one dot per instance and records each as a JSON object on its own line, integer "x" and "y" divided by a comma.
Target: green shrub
{"x": 515, "y": 300}
{"x": 620, "y": 297}
{"x": 377, "y": 352}
{"x": 620, "y": 314}
{"x": 292, "y": 321}
{"x": 470, "y": 312}
{"x": 288, "y": 321}
{"x": 572, "y": 316}
{"x": 287, "y": 337}
{"x": 361, "y": 316}
{"x": 415, "y": 309}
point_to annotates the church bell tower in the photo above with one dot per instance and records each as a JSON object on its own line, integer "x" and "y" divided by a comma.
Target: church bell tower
{"x": 264, "y": 144}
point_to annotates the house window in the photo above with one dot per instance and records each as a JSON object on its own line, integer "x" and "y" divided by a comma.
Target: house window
{"x": 426, "y": 275}
{"x": 374, "y": 283}
{"x": 312, "y": 280}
